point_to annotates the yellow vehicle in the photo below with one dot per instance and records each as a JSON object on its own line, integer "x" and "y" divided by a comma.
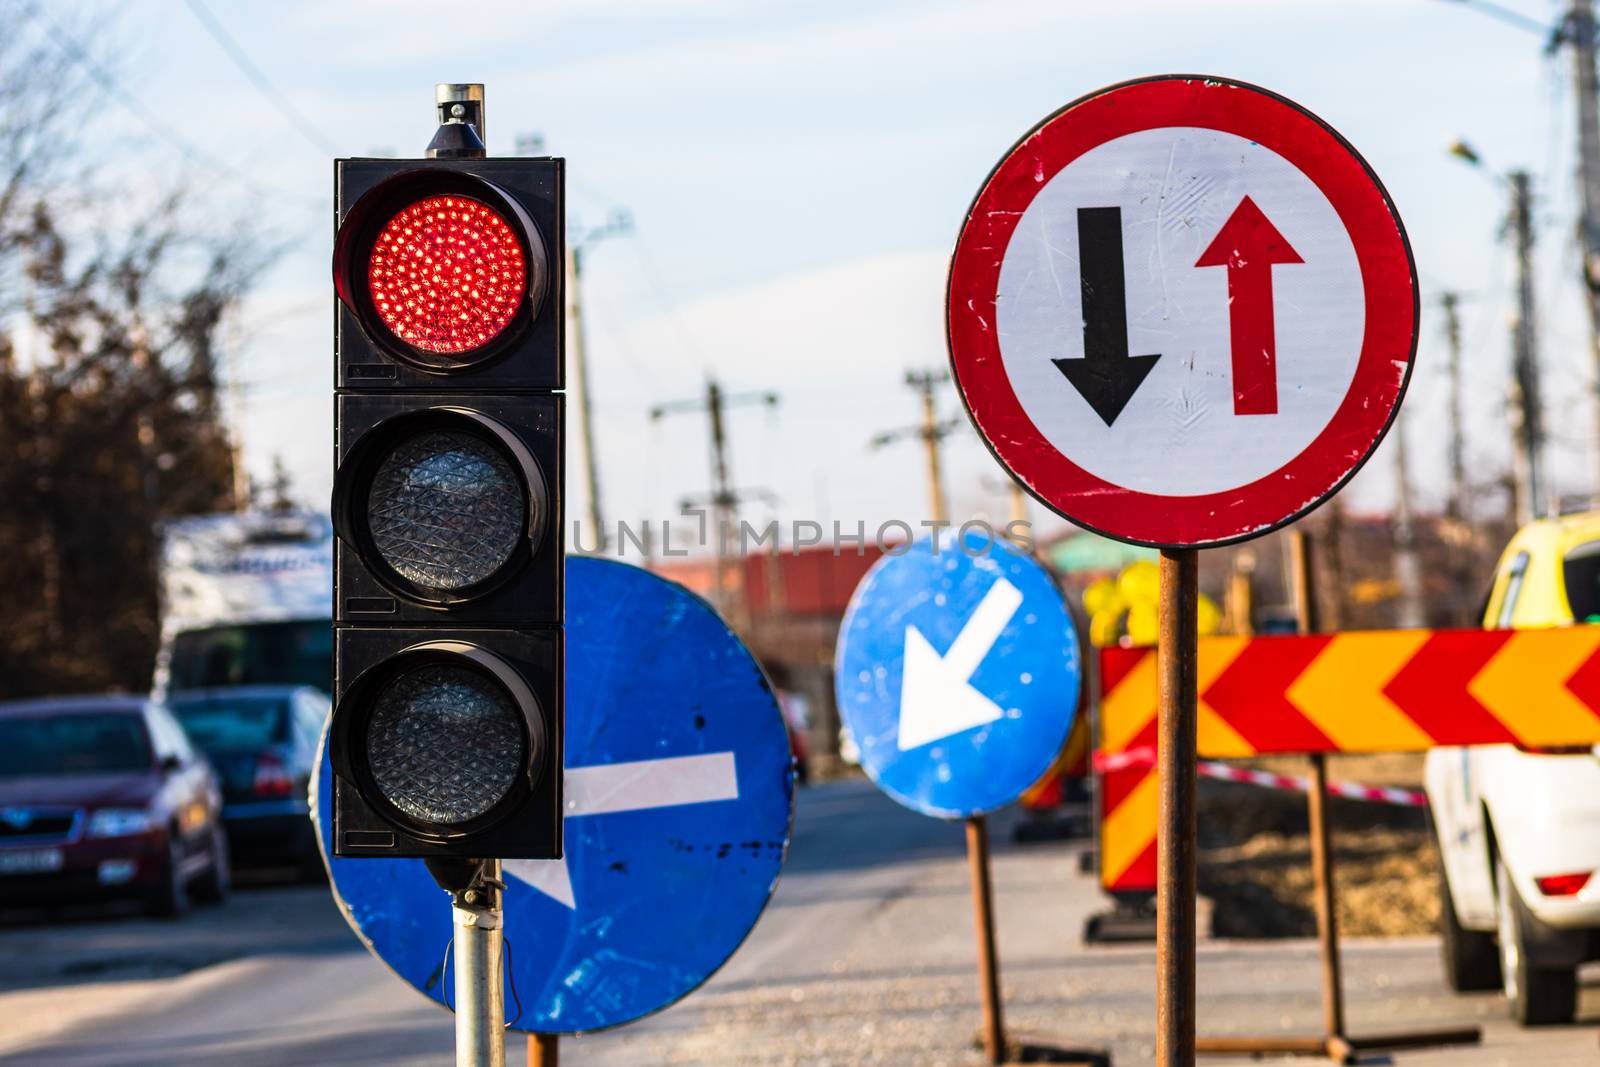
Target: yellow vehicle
{"x": 1549, "y": 575}
{"x": 1519, "y": 830}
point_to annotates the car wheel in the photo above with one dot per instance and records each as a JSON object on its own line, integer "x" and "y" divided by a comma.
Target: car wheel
{"x": 170, "y": 897}
{"x": 213, "y": 886}
{"x": 1471, "y": 961}
{"x": 1537, "y": 996}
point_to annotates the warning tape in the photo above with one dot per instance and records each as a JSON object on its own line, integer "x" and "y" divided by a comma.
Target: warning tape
{"x": 1146, "y": 757}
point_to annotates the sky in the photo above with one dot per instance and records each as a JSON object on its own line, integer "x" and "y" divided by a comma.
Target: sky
{"x": 797, "y": 173}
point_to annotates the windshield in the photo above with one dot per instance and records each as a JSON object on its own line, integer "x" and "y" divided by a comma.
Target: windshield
{"x": 224, "y": 725}
{"x": 1581, "y": 573}
{"x": 272, "y": 653}
{"x": 109, "y": 743}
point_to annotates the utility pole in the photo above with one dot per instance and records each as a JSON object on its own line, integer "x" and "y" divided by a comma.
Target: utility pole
{"x": 1407, "y": 568}
{"x": 1579, "y": 30}
{"x": 1458, "y": 506}
{"x": 1528, "y": 428}
{"x": 1527, "y": 422}
{"x": 724, "y": 498}
{"x": 619, "y": 224}
{"x": 931, "y": 432}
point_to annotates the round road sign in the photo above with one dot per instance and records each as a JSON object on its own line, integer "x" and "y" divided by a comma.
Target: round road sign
{"x": 1182, "y": 311}
{"x": 958, "y": 674}
{"x": 679, "y": 791}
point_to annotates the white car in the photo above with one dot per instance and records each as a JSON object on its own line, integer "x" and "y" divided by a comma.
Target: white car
{"x": 1519, "y": 830}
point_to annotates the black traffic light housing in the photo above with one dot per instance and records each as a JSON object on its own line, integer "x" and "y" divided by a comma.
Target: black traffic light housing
{"x": 527, "y": 354}
{"x": 415, "y": 425}
{"x": 526, "y": 665}
{"x": 526, "y": 431}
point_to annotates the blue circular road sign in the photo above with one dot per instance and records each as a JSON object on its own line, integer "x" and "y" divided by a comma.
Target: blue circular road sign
{"x": 679, "y": 794}
{"x": 957, "y": 672}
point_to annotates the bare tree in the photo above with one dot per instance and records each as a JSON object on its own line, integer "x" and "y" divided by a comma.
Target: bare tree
{"x": 109, "y": 412}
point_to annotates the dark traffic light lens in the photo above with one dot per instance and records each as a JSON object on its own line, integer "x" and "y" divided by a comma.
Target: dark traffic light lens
{"x": 446, "y": 510}
{"x": 447, "y": 274}
{"x": 444, "y": 745}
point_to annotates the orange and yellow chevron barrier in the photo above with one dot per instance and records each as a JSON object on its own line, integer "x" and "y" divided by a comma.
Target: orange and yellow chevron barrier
{"x": 1370, "y": 691}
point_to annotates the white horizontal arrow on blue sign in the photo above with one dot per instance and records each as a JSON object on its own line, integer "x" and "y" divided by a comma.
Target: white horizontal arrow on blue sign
{"x": 637, "y": 786}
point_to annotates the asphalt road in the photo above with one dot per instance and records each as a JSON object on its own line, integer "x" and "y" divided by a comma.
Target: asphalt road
{"x": 865, "y": 957}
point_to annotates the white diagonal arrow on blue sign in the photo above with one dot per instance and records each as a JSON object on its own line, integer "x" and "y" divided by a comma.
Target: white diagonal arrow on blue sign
{"x": 937, "y": 698}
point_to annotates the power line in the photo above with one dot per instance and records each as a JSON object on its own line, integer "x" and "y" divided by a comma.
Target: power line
{"x": 153, "y": 122}
{"x": 1509, "y": 16}
{"x": 259, "y": 79}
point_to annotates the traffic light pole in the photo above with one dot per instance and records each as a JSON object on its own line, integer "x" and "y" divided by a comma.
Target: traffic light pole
{"x": 479, "y": 928}
{"x": 475, "y": 886}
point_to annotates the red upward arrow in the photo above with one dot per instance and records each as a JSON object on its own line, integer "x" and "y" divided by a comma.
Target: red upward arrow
{"x": 1248, "y": 245}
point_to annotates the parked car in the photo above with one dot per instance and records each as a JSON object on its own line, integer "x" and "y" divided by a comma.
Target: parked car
{"x": 104, "y": 797}
{"x": 262, "y": 740}
{"x": 1519, "y": 829}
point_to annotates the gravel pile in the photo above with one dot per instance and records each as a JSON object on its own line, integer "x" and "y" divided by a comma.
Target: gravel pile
{"x": 1255, "y": 865}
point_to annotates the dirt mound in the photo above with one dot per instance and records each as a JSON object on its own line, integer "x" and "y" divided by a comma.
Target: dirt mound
{"x": 1255, "y": 865}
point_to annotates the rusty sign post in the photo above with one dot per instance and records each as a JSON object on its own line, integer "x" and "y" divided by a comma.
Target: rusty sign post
{"x": 544, "y": 1050}
{"x": 1148, "y": 403}
{"x": 1175, "y": 849}
{"x": 958, "y": 675}
{"x": 994, "y": 1027}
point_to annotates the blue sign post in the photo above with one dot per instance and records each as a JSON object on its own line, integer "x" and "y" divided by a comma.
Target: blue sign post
{"x": 679, "y": 794}
{"x": 957, "y": 672}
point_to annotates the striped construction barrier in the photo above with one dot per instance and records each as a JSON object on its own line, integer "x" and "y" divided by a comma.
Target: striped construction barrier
{"x": 1369, "y": 691}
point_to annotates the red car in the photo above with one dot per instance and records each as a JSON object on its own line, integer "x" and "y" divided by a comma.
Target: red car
{"x": 104, "y": 797}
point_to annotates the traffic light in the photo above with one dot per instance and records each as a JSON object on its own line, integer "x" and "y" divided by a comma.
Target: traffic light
{"x": 446, "y": 734}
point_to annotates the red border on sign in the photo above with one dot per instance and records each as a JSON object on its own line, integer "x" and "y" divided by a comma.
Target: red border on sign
{"x": 1388, "y": 279}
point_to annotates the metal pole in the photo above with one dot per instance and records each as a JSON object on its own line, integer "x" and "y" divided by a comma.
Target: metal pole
{"x": 1175, "y": 843}
{"x": 1334, "y": 1042}
{"x": 994, "y": 1032}
{"x": 1305, "y": 604}
{"x": 1581, "y": 32}
{"x": 480, "y": 981}
{"x": 447, "y": 96}
{"x": 580, "y": 359}
{"x": 1327, "y": 908}
{"x": 544, "y": 1050}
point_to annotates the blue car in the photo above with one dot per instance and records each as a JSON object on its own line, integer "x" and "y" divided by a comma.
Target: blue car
{"x": 262, "y": 740}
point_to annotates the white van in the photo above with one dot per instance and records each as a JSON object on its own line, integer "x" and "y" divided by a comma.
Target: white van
{"x": 247, "y": 599}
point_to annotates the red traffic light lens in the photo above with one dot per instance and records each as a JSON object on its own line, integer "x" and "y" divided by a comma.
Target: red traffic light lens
{"x": 447, "y": 274}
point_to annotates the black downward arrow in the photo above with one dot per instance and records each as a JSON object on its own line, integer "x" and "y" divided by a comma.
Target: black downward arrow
{"x": 1107, "y": 375}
